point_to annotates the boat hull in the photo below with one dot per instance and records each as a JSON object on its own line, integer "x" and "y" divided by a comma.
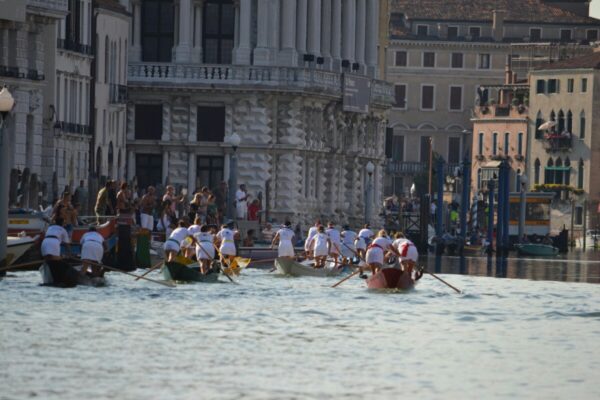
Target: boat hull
{"x": 390, "y": 278}
{"x": 173, "y": 271}
{"x": 65, "y": 276}
{"x": 536, "y": 249}
{"x": 291, "y": 267}
{"x": 17, "y": 246}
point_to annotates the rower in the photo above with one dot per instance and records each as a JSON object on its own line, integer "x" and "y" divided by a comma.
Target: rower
{"x": 311, "y": 233}
{"x": 349, "y": 238}
{"x": 320, "y": 246}
{"x": 284, "y": 237}
{"x": 174, "y": 243}
{"x": 93, "y": 247}
{"x": 226, "y": 242}
{"x": 59, "y": 269}
{"x": 205, "y": 249}
{"x": 196, "y": 228}
{"x": 377, "y": 249}
{"x": 408, "y": 257}
{"x": 336, "y": 242}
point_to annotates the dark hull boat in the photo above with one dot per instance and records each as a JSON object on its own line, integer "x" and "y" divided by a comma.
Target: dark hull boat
{"x": 173, "y": 271}
{"x": 390, "y": 278}
{"x": 61, "y": 274}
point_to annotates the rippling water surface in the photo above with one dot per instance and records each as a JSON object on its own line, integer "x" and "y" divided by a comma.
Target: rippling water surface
{"x": 273, "y": 337}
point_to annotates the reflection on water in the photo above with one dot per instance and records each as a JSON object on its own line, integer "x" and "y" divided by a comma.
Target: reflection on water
{"x": 575, "y": 267}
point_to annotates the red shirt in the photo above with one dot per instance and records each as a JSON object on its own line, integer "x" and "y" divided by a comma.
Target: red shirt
{"x": 253, "y": 212}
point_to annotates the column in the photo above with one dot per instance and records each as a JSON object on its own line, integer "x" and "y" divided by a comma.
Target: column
{"x": 241, "y": 54}
{"x": 348, "y": 26}
{"x": 165, "y": 166}
{"x": 361, "y": 17}
{"x": 336, "y": 32}
{"x": 130, "y": 165}
{"x": 261, "y": 52}
{"x": 136, "y": 48}
{"x": 166, "y": 122}
{"x": 288, "y": 54}
{"x": 197, "y": 49}
{"x": 372, "y": 36}
{"x": 191, "y": 181}
{"x": 183, "y": 50}
{"x": 314, "y": 28}
{"x": 301, "y": 27}
{"x": 326, "y": 31}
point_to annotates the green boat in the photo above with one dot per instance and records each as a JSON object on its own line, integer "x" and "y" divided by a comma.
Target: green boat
{"x": 173, "y": 271}
{"x": 536, "y": 249}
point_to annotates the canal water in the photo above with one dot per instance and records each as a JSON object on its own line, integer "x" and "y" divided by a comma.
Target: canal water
{"x": 520, "y": 329}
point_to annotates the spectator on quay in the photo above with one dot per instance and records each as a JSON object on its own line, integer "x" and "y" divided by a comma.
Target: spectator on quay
{"x": 253, "y": 210}
{"x": 112, "y": 197}
{"x": 147, "y": 205}
{"x": 102, "y": 201}
{"x": 194, "y": 207}
{"x": 241, "y": 202}
{"x": 212, "y": 211}
{"x": 220, "y": 194}
{"x": 268, "y": 233}
{"x": 249, "y": 239}
{"x": 123, "y": 200}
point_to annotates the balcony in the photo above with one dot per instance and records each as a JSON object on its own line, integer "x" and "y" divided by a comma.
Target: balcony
{"x": 15, "y": 72}
{"x": 117, "y": 94}
{"x": 416, "y": 167}
{"x": 71, "y": 45}
{"x": 49, "y": 6}
{"x": 558, "y": 142}
{"x": 248, "y": 77}
{"x": 69, "y": 127}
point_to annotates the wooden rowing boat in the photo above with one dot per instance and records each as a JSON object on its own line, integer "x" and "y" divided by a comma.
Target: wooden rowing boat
{"x": 290, "y": 267}
{"x": 63, "y": 275}
{"x": 174, "y": 271}
{"x": 390, "y": 278}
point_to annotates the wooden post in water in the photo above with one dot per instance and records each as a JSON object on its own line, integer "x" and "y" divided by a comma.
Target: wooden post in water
{"x": 572, "y": 241}
{"x": 25, "y": 188}
{"x": 584, "y": 221}
{"x": 34, "y": 189}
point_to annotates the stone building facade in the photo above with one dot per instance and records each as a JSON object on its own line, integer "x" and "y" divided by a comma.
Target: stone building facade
{"x": 441, "y": 52}
{"x": 274, "y": 72}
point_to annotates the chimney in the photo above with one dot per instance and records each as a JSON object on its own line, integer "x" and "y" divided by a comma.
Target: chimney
{"x": 498, "y": 24}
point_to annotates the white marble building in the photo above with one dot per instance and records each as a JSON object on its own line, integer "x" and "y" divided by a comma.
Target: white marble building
{"x": 273, "y": 72}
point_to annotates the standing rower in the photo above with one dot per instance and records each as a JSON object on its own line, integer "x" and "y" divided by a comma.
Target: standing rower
{"x": 205, "y": 248}
{"x": 60, "y": 271}
{"x": 311, "y": 234}
{"x": 320, "y": 246}
{"x": 175, "y": 241}
{"x": 377, "y": 249}
{"x": 93, "y": 247}
{"x": 348, "y": 244}
{"x": 284, "y": 237}
{"x": 226, "y": 243}
{"x": 336, "y": 242}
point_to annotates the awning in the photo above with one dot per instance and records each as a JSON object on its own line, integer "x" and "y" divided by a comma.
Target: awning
{"x": 563, "y": 169}
{"x": 492, "y": 164}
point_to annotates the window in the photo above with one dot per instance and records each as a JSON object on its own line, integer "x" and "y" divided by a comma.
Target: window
{"x": 569, "y": 121}
{"x": 506, "y": 143}
{"x": 565, "y": 35}
{"x": 157, "y": 30}
{"x": 455, "y": 98}
{"x": 480, "y": 150}
{"x": 148, "y": 169}
{"x": 425, "y": 143}
{"x": 535, "y": 34}
{"x": 400, "y": 96}
{"x": 401, "y": 59}
{"x": 453, "y": 150}
{"x": 549, "y": 172}
{"x": 148, "y": 121}
{"x": 580, "y": 175}
{"x": 592, "y": 35}
{"x": 570, "y": 85}
{"x": 536, "y": 173}
{"x": 558, "y": 172}
{"x": 540, "y": 86}
{"x": 582, "y": 125}
{"x": 398, "y": 148}
{"x": 495, "y": 144}
{"x": 429, "y": 59}
{"x": 457, "y": 60}
{"x": 567, "y": 176}
{"x": 561, "y": 122}
{"x": 452, "y": 32}
{"x": 218, "y": 30}
{"x": 583, "y": 85}
{"x": 579, "y": 215}
{"x": 209, "y": 171}
{"x": 389, "y": 137}
{"x": 520, "y": 144}
{"x": 475, "y": 32}
{"x": 211, "y": 124}
{"x": 484, "y": 61}
{"x": 422, "y": 30}
{"x": 553, "y": 86}
{"x": 427, "y": 97}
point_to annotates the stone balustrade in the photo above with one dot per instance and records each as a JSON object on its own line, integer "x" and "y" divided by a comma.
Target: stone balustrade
{"x": 49, "y": 5}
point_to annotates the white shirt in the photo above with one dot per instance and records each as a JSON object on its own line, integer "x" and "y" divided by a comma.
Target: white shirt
{"x": 204, "y": 237}
{"x": 285, "y": 235}
{"x": 311, "y": 233}
{"x": 240, "y": 195}
{"x": 334, "y": 235}
{"x": 320, "y": 240}
{"x": 382, "y": 242}
{"x": 226, "y": 235}
{"x": 365, "y": 233}
{"x": 179, "y": 234}
{"x": 58, "y": 232}
{"x": 349, "y": 237}
{"x": 194, "y": 229}
{"x": 92, "y": 237}
{"x": 399, "y": 242}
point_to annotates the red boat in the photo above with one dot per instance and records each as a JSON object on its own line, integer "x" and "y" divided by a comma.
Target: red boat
{"x": 107, "y": 229}
{"x": 391, "y": 278}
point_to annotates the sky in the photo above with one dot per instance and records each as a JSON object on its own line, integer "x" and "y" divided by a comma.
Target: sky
{"x": 595, "y": 8}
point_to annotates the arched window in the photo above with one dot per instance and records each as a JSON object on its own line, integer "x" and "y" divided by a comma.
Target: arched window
{"x": 561, "y": 122}
{"x": 495, "y": 144}
{"x": 479, "y": 178}
{"x": 552, "y": 116}
{"x": 111, "y": 159}
{"x": 506, "y": 143}
{"x": 518, "y": 181}
{"x": 480, "y": 143}
{"x": 536, "y": 172}
{"x": 99, "y": 162}
{"x": 580, "y": 175}
{"x": 569, "y": 121}
{"x": 106, "y": 59}
{"x": 558, "y": 172}
{"x": 539, "y": 120}
{"x": 549, "y": 172}
{"x": 567, "y": 174}
{"x": 520, "y": 144}
{"x": 582, "y": 125}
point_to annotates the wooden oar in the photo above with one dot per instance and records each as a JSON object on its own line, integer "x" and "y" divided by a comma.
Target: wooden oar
{"x": 168, "y": 284}
{"x": 158, "y": 264}
{"x": 355, "y": 272}
{"x": 441, "y": 280}
{"x": 17, "y": 266}
{"x": 221, "y": 258}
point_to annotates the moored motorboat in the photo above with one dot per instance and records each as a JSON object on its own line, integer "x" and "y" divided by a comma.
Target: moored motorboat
{"x": 174, "y": 271}
{"x": 390, "y": 278}
{"x": 536, "y": 249}
{"x": 61, "y": 274}
{"x": 17, "y": 246}
{"x": 290, "y": 267}
{"x": 29, "y": 221}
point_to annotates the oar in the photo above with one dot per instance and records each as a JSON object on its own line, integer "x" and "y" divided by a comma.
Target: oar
{"x": 158, "y": 264}
{"x": 168, "y": 284}
{"x": 441, "y": 280}
{"x": 222, "y": 269}
{"x": 17, "y": 266}
{"x": 355, "y": 272}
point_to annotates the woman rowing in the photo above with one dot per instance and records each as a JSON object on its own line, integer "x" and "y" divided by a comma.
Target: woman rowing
{"x": 320, "y": 247}
{"x": 175, "y": 242}
{"x": 349, "y": 238}
{"x": 336, "y": 243}
{"x": 226, "y": 243}
{"x": 377, "y": 250}
{"x": 205, "y": 248}
{"x": 284, "y": 237}
{"x": 408, "y": 256}
{"x": 62, "y": 273}
{"x": 311, "y": 234}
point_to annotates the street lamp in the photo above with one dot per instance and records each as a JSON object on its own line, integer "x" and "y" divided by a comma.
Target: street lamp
{"x": 6, "y": 105}
{"x": 523, "y": 181}
{"x": 370, "y": 168}
{"x": 234, "y": 140}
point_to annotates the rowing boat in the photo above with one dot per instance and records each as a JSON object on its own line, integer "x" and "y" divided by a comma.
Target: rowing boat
{"x": 61, "y": 274}
{"x": 536, "y": 249}
{"x": 390, "y": 278}
{"x": 174, "y": 271}
{"x": 290, "y": 267}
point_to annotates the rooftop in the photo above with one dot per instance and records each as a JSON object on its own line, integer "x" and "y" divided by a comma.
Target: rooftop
{"x": 589, "y": 61}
